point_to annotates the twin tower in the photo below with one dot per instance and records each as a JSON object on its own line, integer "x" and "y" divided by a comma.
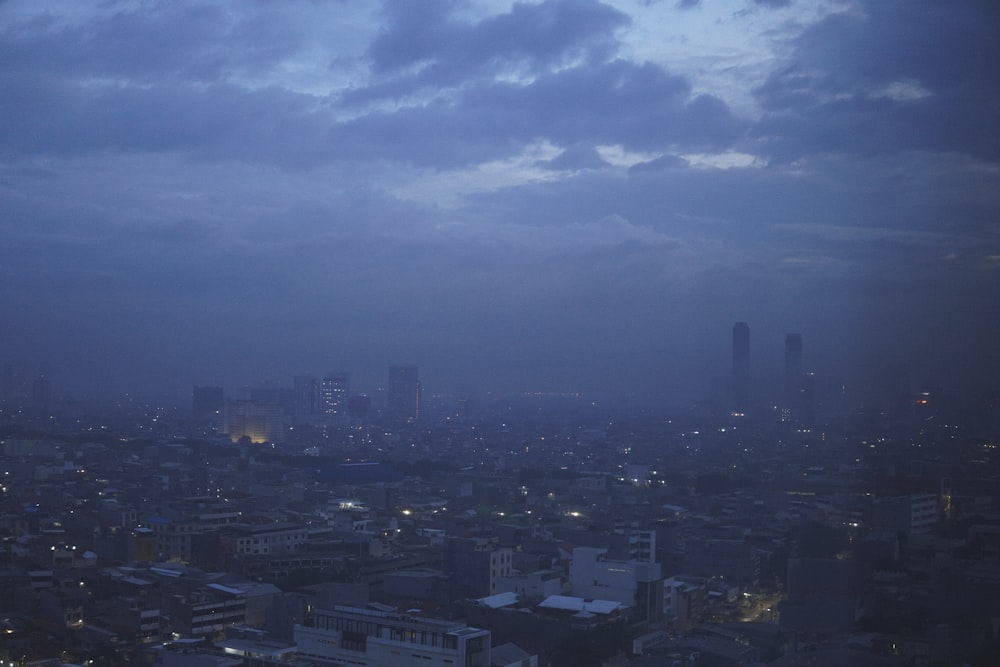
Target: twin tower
{"x": 796, "y": 386}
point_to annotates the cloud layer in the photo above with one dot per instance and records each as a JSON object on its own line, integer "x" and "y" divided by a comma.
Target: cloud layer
{"x": 522, "y": 196}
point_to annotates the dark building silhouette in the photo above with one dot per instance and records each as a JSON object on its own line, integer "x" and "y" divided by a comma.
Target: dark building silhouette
{"x": 793, "y": 368}
{"x": 207, "y": 403}
{"x": 41, "y": 391}
{"x": 898, "y": 390}
{"x": 807, "y": 400}
{"x": 741, "y": 367}
{"x": 824, "y": 595}
{"x": 305, "y": 390}
{"x": 403, "y": 398}
{"x": 13, "y": 383}
{"x": 474, "y": 565}
{"x": 358, "y": 406}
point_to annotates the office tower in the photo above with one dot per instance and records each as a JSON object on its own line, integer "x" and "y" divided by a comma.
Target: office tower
{"x": 13, "y": 383}
{"x": 207, "y": 403}
{"x": 807, "y": 400}
{"x": 305, "y": 395}
{"x": 741, "y": 367}
{"x": 333, "y": 393}
{"x": 41, "y": 391}
{"x": 403, "y": 398}
{"x": 260, "y": 422}
{"x": 358, "y": 406}
{"x": 793, "y": 369}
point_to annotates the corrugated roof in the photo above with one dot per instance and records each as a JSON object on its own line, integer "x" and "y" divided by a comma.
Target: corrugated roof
{"x": 499, "y": 600}
{"x": 568, "y": 603}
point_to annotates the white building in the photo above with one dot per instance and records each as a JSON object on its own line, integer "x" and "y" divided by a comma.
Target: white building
{"x": 366, "y": 637}
{"x": 275, "y": 538}
{"x": 634, "y": 583}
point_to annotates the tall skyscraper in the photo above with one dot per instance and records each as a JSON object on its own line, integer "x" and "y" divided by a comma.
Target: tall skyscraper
{"x": 41, "y": 391}
{"x": 741, "y": 367}
{"x": 207, "y": 404}
{"x": 260, "y": 422}
{"x": 333, "y": 393}
{"x": 403, "y": 397}
{"x": 793, "y": 369}
{"x": 305, "y": 392}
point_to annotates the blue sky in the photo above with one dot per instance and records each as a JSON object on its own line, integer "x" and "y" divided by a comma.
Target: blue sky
{"x": 546, "y": 196}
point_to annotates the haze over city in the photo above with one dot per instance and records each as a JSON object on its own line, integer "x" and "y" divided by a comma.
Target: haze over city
{"x": 494, "y": 333}
{"x": 538, "y": 196}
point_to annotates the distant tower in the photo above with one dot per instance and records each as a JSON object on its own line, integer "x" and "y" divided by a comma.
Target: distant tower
{"x": 403, "y": 399}
{"x": 793, "y": 369}
{"x": 741, "y": 367}
{"x": 305, "y": 391}
{"x": 207, "y": 404}
{"x": 41, "y": 391}
{"x": 260, "y": 422}
{"x": 807, "y": 400}
{"x": 333, "y": 393}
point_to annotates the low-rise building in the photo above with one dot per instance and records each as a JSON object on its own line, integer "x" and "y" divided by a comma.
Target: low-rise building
{"x": 359, "y": 636}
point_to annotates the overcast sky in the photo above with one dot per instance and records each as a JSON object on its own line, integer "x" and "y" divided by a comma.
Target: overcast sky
{"x": 551, "y": 196}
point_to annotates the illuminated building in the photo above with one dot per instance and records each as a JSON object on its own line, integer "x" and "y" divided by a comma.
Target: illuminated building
{"x": 333, "y": 394}
{"x": 260, "y": 422}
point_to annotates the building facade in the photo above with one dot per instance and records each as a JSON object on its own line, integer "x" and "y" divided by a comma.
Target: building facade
{"x": 367, "y": 637}
{"x": 403, "y": 398}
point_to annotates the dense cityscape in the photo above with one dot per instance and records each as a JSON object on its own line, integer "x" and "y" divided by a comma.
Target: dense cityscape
{"x": 310, "y": 524}
{"x": 500, "y": 333}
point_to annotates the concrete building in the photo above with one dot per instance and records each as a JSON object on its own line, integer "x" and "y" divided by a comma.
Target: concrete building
{"x": 207, "y": 611}
{"x": 277, "y": 538}
{"x": 536, "y": 585}
{"x": 915, "y": 514}
{"x": 475, "y": 565}
{"x": 635, "y": 583}
{"x": 260, "y": 422}
{"x": 366, "y": 637}
{"x": 403, "y": 397}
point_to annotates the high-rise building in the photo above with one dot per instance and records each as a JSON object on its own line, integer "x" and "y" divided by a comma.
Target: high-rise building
{"x": 305, "y": 395}
{"x": 807, "y": 400}
{"x": 741, "y": 367}
{"x": 207, "y": 403}
{"x": 41, "y": 391}
{"x": 793, "y": 369}
{"x": 14, "y": 384}
{"x": 260, "y": 422}
{"x": 358, "y": 406}
{"x": 403, "y": 398}
{"x": 334, "y": 391}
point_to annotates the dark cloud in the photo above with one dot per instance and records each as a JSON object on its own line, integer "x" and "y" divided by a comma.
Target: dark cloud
{"x": 429, "y": 47}
{"x": 899, "y": 77}
{"x": 149, "y": 44}
{"x": 642, "y": 107}
{"x": 577, "y": 157}
{"x": 209, "y": 182}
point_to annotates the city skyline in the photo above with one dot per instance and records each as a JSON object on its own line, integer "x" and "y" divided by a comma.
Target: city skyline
{"x": 538, "y": 196}
{"x": 749, "y": 386}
